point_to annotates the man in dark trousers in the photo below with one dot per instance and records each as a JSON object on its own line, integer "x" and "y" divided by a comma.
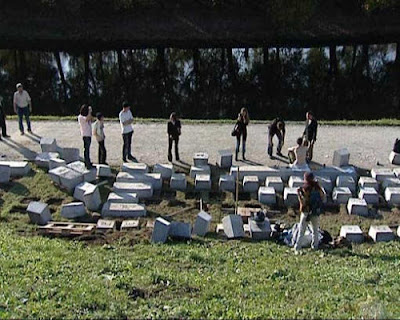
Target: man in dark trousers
{"x": 3, "y": 120}
{"x": 277, "y": 127}
{"x": 310, "y": 133}
{"x": 174, "y": 131}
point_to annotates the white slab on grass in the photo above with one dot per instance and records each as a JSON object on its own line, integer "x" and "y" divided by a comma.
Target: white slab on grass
{"x": 104, "y": 171}
{"x": 152, "y": 178}
{"x": 69, "y": 154}
{"x": 341, "y": 195}
{"x": 233, "y": 226}
{"x": 126, "y": 210}
{"x": 135, "y": 168}
{"x": 142, "y": 190}
{"x": 225, "y": 159}
{"x": 346, "y": 182}
{"x": 352, "y": 233}
{"x": 202, "y": 224}
{"x": 262, "y": 172}
{"x": 267, "y": 195}
{"x": 178, "y": 181}
{"x": 123, "y": 197}
{"x": 48, "y": 144}
{"x": 166, "y": 170}
{"x": 18, "y": 168}
{"x": 202, "y": 182}
{"x": 200, "y": 159}
{"x": 357, "y": 207}
{"x": 39, "y": 213}
{"x": 194, "y": 170}
{"x": 260, "y": 230}
{"x": 368, "y": 182}
{"x": 73, "y": 210}
{"x": 66, "y": 177}
{"x": 89, "y": 194}
{"x": 42, "y": 159}
{"x": 380, "y": 174}
{"x": 127, "y": 225}
{"x": 56, "y": 162}
{"x": 160, "y": 231}
{"x": 227, "y": 183}
{"x": 341, "y": 157}
{"x": 390, "y": 182}
{"x": 104, "y": 225}
{"x": 392, "y": 196}
{"x": 88, "y": 175}
{"x": 295, "y": 182}
{"x": 381, "y": 233}
{"x": 369, "y": 195}
{"x": 290, "y": 197}
{"x": 274, "y": 182}
{"x": 250, "y": 184}
{"x": 180, "y": 230}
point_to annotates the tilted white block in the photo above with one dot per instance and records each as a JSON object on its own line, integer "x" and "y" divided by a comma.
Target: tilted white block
{"x": 126, "y": 210}
{"x": 39, "y": 213}
{"x": 295, "y": 182}
{"x": 267, "y": 195}
{"x": 200, "y": 159}
{"x": 202, "y": 224}
{"x": 352, "y": 233}
{"x": 194, "y": 170}
{"x": 381, "y": 233}
{"x": 180, "y": 230}
{"x": 57, "y": 172}
{"x": 89, "y": 194}
{"x": 66, "y": 177}
{"x": 48, "y": 144}
{"x": 142, "y": 190}
{"x": 262, "y": 172}
{"x": 135, "y": 168}
{"x": 341, "y": 158}
{"x": 250, "y": 184}
{"x": 225, "y": 158}
{"x": 233, "y": 226}
{"x": 106, "y": 225}
{"x": 368, "y": 182}
{"x": 274, "y": 182}
{"x": 390, "y": 182}
{"x": 18, "y": 168}
{"x": 42, "y": 159}
{"x": 346, "y": 182}
{"x": 165, "y": 169}
{"x": 325, "y": 182}
{"x": 394, "y": 158}
{"x": 227, "y": 183}
{"x": 88, "y": 175}
{"x": 123, "y": 197}
{"x": 341, "y": 195}
{"x": 104, "y": 171}
{"x": 369, "y": 195}
{"x": 151, "y": 178}
{"x": 178, "y": 181}
{"x": 380, "y": 174}
{"x": 202, "y": 182}
{"x": 73, "y": 210}
{"x": 290, "y": 197}
{"x": 358, "y": 207}
{"x": 259, "y": 230}
{"x": 56, "y": 162}
{"x": 160, "y": 231}
{"x": 392, "y": 196}
{"x": 69, "y": 154}
{"x": 5, "y": 173}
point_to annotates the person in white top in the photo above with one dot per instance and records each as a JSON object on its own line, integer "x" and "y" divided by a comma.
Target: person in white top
{"x": 98, "y": 132}
{"x": 298, "y": 154}
{"x": 85, "y": 123}
{"x": 126, "y": 121}
{"x": 22, "y": 106}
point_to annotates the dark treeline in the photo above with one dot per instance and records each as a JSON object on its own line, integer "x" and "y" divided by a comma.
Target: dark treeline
{"x": 350, "y": 82}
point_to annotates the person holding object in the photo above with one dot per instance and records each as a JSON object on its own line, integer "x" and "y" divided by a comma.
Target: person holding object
{"x": 277, "y": 127}
{"x": 310, "y": 133}
{"x": 174, "y": 131}
{"x": 126, "y": 121}
{"x": 85, "y": 123}
{"x": 240, "y": 130}
{"x": 3, "y": 120}
{"x": 98, "y": 132}
{"x": 298, "y": 155}
{"x": 311, "y": 197}
{"x": 22, "y": 107}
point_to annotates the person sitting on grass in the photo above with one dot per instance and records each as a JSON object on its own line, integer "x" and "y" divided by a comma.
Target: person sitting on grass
{"x": 98, "y": 132}
{"x": 298, "y": 154}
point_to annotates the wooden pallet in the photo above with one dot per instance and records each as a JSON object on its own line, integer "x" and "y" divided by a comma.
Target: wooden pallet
{"x": 67, "y": 228}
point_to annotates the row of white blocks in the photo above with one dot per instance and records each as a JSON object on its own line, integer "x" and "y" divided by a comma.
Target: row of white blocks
{"x": 380, "y": 233}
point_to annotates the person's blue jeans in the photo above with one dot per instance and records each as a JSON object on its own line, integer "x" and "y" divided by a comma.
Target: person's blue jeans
{"x": 21, "y": 113}
{"x": 243, "y": 144}
{"x": 86, "y": 151}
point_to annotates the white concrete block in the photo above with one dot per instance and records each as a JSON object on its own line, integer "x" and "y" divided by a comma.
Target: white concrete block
{"x": 160, "y": 231}
{"x": 202, "y": 182}
{"x": 250, "y": 184}
{"x": 325, "y": 182}
{"x": 396, "y": 172}
{"x": 178, "y": 181}
{"x": 123, "y": 197}
{"x": 135, "y": 168}
{"x": 89, "y": 194}
{"x": 126, "y": 210}
{"x": 394, "y": 158}
{"x": 39, "y": 213}
{"x": 341, "y": 157}
{"x": 165, "y": 169}
{"x": 56, "y": 162}
{"x": 267, "y": 195}
{"x": 381, "y": 233}
{"x": 48, "y": 144}
{"x": 142, "y": 190}
{"x": 380, "y": 174}
{"x": 69, "y": 154}
{"x": 358, "y": 207}
{"x": 200, "y": 159}
{"x": 274, "y": 182}
{"x": 392, "y": 196}
{"x": 296, "y": 171}
{"x": 18, "y": 168}
{"x": 346, "y": 182}
{"x": 262, "y": 172}
{"x": 194, "y": 170}
{"x": 341, "y": 195}
{"x": 225, "y": 159}
{"x": 66, "y": 177}
{"x": 180, "y": 230}
{"x": 233, "y": 226}
{"x": 88, "y": 175}
{"x": 391, "y": 182}
{"x": 42, "y": 159}
{"x": 73, "y": 210}
{"x": 368, "y": 182}
{"x": 295, "y": 182}
{"x": 290, "y": 197}
{"x": 227, "y": 183}
{"x": 352, "y": 233}
{"x": 104, "y": 171}
{"x": 202, "y": 224}
{"x": 151, "y": 178}
{"x": 5, "y": 173}
{"x": 369, "y": 195}
{"x": 334, "y": 172}
{"x": 127, "y": 225}
{"x": 106, "y": 225}
{"x": 259, "y": 230}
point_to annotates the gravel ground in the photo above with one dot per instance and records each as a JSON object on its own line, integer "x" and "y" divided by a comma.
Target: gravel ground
{"x": 367, "y": 144}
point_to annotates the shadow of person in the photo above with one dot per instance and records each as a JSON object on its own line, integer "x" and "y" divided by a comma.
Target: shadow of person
{"x": 33, "y": 137}
{"x": 27, "y": 153}
{"x": 253, "y": 163}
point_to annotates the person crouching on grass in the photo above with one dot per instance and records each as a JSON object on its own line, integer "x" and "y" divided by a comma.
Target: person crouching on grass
{"x": 98, "y": 132}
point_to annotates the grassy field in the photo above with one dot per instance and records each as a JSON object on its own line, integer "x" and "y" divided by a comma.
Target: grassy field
{"x": 122, "y": 275}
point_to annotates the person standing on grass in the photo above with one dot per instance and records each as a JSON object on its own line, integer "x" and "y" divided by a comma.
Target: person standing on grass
{"x": 22, "y": 107}
{"x": 310, "y": 133}
{"x": 3, "y": 120}
{"x": 126, "y": 121}
{"x": 311, "y": 197}
{"x": 98, "y": 132}
{"x": 174, "y": 131}
{"x": 240, "y": 131}
{"x": 277, "y": 127}
{"x": 85, "y": 119}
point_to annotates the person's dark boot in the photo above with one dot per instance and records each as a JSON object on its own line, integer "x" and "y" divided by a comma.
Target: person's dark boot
{"x": 130, "y": 157}
{"x": 170, "y": 157}
{"x": 236, "y": 157}
{"x": 244, "y": 158}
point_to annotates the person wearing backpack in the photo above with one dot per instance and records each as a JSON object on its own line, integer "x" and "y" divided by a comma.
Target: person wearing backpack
{"x": 311, "y": 198}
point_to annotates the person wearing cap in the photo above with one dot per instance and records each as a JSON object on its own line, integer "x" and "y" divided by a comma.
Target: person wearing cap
{"x": 85, "y": 123}
{"x": 174, "y": 131}
{"x": 277, "y": 127}
{"x": 126, "y": 121}
{"x": 3, "y": 120}
{"x": 98, "y": 132}
{"x": 22, "y": 107}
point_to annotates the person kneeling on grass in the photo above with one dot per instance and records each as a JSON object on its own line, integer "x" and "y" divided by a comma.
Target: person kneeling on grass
{"x": 98, "y": 132}
{"x": 298, "y": 155}
{"x": 311, "y": 197}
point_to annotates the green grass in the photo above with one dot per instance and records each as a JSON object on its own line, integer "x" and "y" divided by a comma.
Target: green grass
{"x": 124, "y": 276}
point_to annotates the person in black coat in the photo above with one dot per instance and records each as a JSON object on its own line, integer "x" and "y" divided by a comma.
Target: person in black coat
{"x": 240, "y": 130}
{"x": 310, "y": 133}
{"x": 277, "y": 127}
{"x": 3, "y": 120}
{"x": 174, "y": 131}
